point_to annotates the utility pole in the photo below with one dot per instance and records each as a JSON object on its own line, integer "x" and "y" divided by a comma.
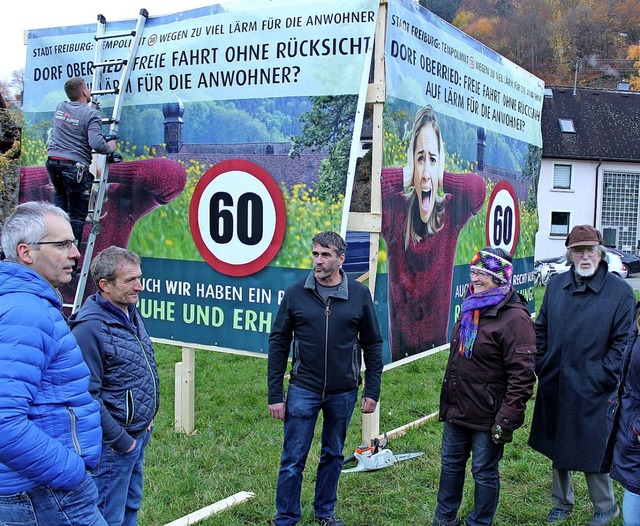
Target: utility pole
{"x": 575, "y": 78}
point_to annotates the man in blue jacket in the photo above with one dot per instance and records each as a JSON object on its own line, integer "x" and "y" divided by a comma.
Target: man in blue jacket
{"x": 328, "y": 321}
{"x": 49, "y": 423}
{"x": 124, "y": 379}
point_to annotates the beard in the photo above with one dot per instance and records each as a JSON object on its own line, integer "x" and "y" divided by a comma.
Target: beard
{"x": 586, "y": 273}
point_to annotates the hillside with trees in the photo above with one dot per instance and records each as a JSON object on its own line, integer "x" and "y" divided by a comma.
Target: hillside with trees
{"x": 594, "y": 43}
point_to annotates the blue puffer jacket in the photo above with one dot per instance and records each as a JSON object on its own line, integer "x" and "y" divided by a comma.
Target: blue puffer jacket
{"x": 124, "y": 376}
{"x": 49, "y": 423}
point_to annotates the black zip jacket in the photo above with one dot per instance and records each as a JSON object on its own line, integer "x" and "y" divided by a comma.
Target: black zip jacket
{"x": 327, "y": 340}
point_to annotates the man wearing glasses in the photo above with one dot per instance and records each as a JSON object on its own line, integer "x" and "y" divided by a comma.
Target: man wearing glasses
{"x": 581, "y": 331}
{"x": 49, "y": 423}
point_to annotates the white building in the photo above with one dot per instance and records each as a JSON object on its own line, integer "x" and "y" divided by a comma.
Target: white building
{"x": 590, "y": 171}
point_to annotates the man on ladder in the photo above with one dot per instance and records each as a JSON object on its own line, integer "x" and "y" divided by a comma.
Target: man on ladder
{"x": 77, "y": 130}
{"x": 97, "y": 195}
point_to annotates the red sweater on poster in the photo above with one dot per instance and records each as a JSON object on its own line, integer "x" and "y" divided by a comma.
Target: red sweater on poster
{"x": 420, "y": 276}
{"x": 135, "y": 188}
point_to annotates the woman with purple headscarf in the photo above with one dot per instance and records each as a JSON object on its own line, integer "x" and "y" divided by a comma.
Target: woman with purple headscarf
{"x": 487, "y": 383}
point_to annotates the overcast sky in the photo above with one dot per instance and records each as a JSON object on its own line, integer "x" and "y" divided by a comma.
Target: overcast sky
{"x": 36, "y": 14}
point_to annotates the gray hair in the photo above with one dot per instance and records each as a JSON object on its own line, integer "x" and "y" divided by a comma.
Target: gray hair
{"x": 27, "y": 224}
{"x": 330, "y": 239}
{"x": 105, "y": 265}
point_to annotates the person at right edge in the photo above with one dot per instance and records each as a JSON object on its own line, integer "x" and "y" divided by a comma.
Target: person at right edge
{"x": 488, "y": 381}
{"x": 77, "y": 131}
{"x": 581, "y": 330}
{"x": 623, "y": 446}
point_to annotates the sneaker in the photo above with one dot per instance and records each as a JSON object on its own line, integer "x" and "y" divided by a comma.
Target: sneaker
{"x": 437, "y": 521}
{"x": 557, "y": 515}
{"x": 604, "y": 518}
{"x": 330, "y": 521}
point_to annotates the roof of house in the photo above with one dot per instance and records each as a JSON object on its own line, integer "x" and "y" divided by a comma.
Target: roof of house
{"x": 606, "y": 123}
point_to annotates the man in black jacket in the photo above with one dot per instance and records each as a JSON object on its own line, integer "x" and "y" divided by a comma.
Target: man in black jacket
{"x": 124, "y": 379}
{"x": 328, "y": 321}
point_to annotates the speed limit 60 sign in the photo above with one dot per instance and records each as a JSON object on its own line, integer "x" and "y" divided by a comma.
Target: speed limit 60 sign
{"x": 237, "y": 217}
{"x": 503, "y": 218}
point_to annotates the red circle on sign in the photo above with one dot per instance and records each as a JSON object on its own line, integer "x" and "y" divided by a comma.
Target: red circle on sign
{"x": 275, "y": 243}
{"x": 498, "y": 192}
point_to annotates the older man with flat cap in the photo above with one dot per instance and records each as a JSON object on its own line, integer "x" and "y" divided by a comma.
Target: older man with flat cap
{"x": 581, "y": 331}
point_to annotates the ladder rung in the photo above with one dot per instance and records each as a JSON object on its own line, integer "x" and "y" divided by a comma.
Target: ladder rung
{"x": 115, "y": 35}
{"x": 108, "y": 120}
{"x": 106, "y": 91}
{"x": 118, "y": 62}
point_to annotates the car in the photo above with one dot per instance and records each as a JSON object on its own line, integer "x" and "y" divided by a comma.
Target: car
{"x": 356, "y": 259}
{"x": 630, "y": 261}
{"x": 545, "y": 269}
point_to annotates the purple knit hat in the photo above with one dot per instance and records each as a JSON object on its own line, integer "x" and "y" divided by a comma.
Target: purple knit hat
{"x": 495, "y": 265}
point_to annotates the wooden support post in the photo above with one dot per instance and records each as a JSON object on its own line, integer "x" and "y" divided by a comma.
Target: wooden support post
{"x": 177, "y": 401}
{"x": 376, "y": 95}
{"x": 185, "y": 392}
{"x": 371, "y": 426}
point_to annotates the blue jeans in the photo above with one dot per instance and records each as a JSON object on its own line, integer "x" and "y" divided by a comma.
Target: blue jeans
{"x": 44, "y": 505}
{"x": 118, "y": 477}
{"x": 71, "y": 191}
{"x": 301, "y": 414}
{"x": 630, "y": 509}
{"x": 458, "y": 443}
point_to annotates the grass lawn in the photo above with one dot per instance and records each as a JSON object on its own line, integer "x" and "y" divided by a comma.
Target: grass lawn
{"x": 237, "y": 448}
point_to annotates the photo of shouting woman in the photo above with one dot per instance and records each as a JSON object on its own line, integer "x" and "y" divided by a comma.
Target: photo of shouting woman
{"x": 424, "y": 209}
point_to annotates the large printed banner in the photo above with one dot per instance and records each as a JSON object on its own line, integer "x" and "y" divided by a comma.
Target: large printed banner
{"x": 462, "y": 152}
{"x": 237, "y": 134}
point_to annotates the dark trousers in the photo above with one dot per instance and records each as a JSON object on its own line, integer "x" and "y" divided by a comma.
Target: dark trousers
{"x": 71, "y": 191}
{"x": 302, "y": 411}
{"x": 458, "y": 444}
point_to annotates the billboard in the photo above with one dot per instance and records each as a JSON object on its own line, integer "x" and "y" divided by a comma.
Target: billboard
{"x": 462, "y": 148}
{"x": 240, "y": 135}
{"x": 237, "y": 134}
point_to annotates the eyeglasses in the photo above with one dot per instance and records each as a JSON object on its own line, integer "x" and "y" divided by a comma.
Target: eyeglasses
{"x": 62, "y": 245}
{"x": 581, "y": 252}
{"x": 478, "y": 274}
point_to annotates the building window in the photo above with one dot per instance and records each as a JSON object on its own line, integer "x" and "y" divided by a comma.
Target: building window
{"x": 566, "y": 126}
{"x": 620, "y": 201}
{"x": 562, "y": 176}
{"x": 559, "y": 224}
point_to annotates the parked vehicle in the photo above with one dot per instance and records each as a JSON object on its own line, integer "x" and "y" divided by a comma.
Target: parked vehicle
{"x": 546, "y": 268}
{"x": 630, "y": 261}
{"x": 357, "y": 256}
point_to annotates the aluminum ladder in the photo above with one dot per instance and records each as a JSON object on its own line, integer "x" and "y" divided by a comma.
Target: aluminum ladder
{"x": 99, "y": 188}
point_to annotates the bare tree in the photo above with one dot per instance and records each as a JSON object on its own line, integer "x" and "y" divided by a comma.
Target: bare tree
{"x": 17, "y": 82}
{"x": 5, "y": 91}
